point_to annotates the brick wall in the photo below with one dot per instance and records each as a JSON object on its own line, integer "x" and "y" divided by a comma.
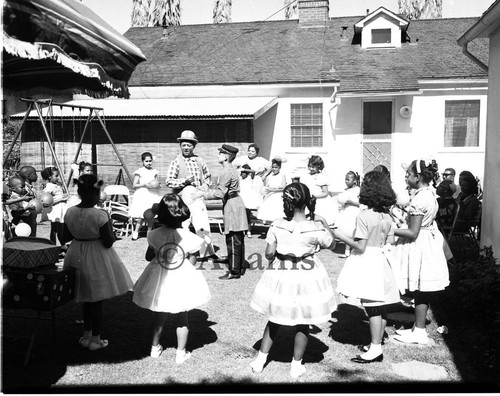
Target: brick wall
{"x": 131, "y": 139}
{"x": 313, "y": 13}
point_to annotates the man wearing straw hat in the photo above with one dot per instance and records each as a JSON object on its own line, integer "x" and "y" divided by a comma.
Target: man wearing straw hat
{"x": 188, "y": 176}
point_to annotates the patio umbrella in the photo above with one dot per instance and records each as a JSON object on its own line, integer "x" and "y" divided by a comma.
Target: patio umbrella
{"x": 64, "y": 47}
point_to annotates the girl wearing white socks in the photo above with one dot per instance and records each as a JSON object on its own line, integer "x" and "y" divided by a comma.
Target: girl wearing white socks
{"x": 294, "y": 275}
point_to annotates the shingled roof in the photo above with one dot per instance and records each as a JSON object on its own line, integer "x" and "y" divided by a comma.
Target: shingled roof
{"x": 282, "y": 52}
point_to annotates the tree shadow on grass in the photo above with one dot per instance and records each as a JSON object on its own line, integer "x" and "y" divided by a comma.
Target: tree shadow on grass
{"x": 282, "y": 349}
{"x": 125, "y": 325}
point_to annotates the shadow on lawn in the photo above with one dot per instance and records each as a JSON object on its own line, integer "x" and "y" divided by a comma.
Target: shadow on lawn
{"x": 349, "y": 325}
{"x": 282, "y": 349}
{"x": 125, "y": 325}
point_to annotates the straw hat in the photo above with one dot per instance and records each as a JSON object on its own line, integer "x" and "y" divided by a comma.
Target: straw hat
{"x": 188, "y": 136}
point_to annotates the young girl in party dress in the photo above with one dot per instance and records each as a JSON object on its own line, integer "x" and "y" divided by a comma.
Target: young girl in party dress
{"x": 146, "y": 191}
{"x": 170, "y": 283}
{"x": 367, "y": 273}
{"x": 419, "y": 251}
{"x": 55, "y": 213}
{"x": 348, "y": 202}
{"x": 250, "y": 190}
{"x": 272, "y": 205}
{"x": 100, "y": 274}
{"x": 295, "y": 289}
{"x": 317, "y": 183}
{"x": 82, "y": 168}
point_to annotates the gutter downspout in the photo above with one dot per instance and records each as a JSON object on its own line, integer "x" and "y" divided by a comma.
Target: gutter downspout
{"x": 473, "y": 58}
{"x": 489, "y": 17}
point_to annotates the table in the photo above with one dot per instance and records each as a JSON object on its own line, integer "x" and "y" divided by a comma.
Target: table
{"x": 40, "y": 289}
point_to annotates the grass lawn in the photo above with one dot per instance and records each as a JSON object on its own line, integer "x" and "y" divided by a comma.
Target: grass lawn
{"x": 224, "y": 338}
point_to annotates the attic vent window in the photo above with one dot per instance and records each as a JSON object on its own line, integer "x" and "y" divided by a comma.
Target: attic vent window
{"x": 381, "y": 36}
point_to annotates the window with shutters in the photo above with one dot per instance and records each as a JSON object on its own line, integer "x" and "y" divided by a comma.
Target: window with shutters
{"x": 306, "y": 125}
{"x": 461, "y": 128}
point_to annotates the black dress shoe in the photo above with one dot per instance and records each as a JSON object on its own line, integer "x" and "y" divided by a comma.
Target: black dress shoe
{"x": 359, "y": 359}
{"x": 224, "y": 276}
{"x": 217, "y": 259}
{"x": 229, "y": 276}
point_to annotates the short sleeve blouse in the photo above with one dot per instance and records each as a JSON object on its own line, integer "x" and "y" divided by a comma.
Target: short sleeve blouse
{"x": 146, "y": 175}
{"x": 424, "y": 203}
{"x": 373, "y": 226}
{"x": 298, "y": 238}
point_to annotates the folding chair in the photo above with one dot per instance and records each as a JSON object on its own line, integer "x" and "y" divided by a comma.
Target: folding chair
{"x": 465, "y": 232}
{"x": 117, "y": 205}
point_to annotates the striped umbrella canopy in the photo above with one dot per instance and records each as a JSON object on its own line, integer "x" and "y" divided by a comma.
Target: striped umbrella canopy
{"x": 64, "y": 47}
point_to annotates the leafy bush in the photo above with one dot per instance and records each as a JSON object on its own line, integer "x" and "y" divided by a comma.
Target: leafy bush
{"x": 475, "y": 286}
{"x": 10, "y": 129}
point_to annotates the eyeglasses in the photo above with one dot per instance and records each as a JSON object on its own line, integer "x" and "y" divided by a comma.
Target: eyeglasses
{"x": 447, "y": 174}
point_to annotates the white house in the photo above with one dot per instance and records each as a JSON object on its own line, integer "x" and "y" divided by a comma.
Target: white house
{"x": 488, "y": 26}
{"x": 357, "y": 91}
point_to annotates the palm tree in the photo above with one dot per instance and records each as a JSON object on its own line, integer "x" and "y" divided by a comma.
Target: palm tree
{"x": 140, "y": 15}
{"x": 421, "y": 9}
{"x": 291, "y": 10}
{"x": 156, "y": 13}
{"x": 167, "y": 12}
{"x": 222, "y": 11}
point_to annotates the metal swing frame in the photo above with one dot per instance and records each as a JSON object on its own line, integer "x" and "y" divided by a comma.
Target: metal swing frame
{"x": 94, "y": 112}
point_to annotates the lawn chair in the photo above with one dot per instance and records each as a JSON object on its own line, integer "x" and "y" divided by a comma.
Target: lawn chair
{"x": 117, "y": 205}
{"x": 466, "y": 233}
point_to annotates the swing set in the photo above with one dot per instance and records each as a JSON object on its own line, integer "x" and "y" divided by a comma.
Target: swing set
{"x": 47, "y": 124}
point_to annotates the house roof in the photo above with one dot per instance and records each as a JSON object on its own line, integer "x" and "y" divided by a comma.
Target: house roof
{"x": 273, "y": 52}
{"x": 165, "y": 108}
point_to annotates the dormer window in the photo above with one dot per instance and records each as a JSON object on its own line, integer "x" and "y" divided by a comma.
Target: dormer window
{"x": 381, "y": 36}
{"x": 381, "y": 29}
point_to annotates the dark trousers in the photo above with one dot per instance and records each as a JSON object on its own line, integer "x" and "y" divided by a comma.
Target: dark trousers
{"x": 235, "y": 243}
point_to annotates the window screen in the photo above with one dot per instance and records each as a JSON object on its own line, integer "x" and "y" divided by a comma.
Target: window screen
{"x": 306, "y": 125}
{"x": 461, "y": 128}
{"x": 381, "y": 36}
{"x": 377, "y": 118}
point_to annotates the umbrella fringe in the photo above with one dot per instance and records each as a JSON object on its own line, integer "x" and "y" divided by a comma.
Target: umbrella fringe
{"x": 39, "y": 51}
{"x": 59, "y": 92}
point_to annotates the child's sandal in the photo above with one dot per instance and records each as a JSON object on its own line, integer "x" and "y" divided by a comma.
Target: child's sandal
{"x": 95, "y": 345}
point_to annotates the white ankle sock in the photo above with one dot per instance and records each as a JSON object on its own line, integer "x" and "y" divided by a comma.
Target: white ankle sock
{"x": 261, "y": 357}
{"x": 374, "y": 351}
{"x": 419, "y": 331}
{"x": 296, "y": 363}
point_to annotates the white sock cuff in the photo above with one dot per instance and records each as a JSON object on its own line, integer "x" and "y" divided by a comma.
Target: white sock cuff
{"x": 419, "y": 331}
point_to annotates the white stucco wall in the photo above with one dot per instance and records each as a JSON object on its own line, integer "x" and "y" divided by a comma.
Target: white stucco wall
{"x": 427, "y": 124}
{"x": 490, "y": 233}
{"x": 421, "y": 135}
